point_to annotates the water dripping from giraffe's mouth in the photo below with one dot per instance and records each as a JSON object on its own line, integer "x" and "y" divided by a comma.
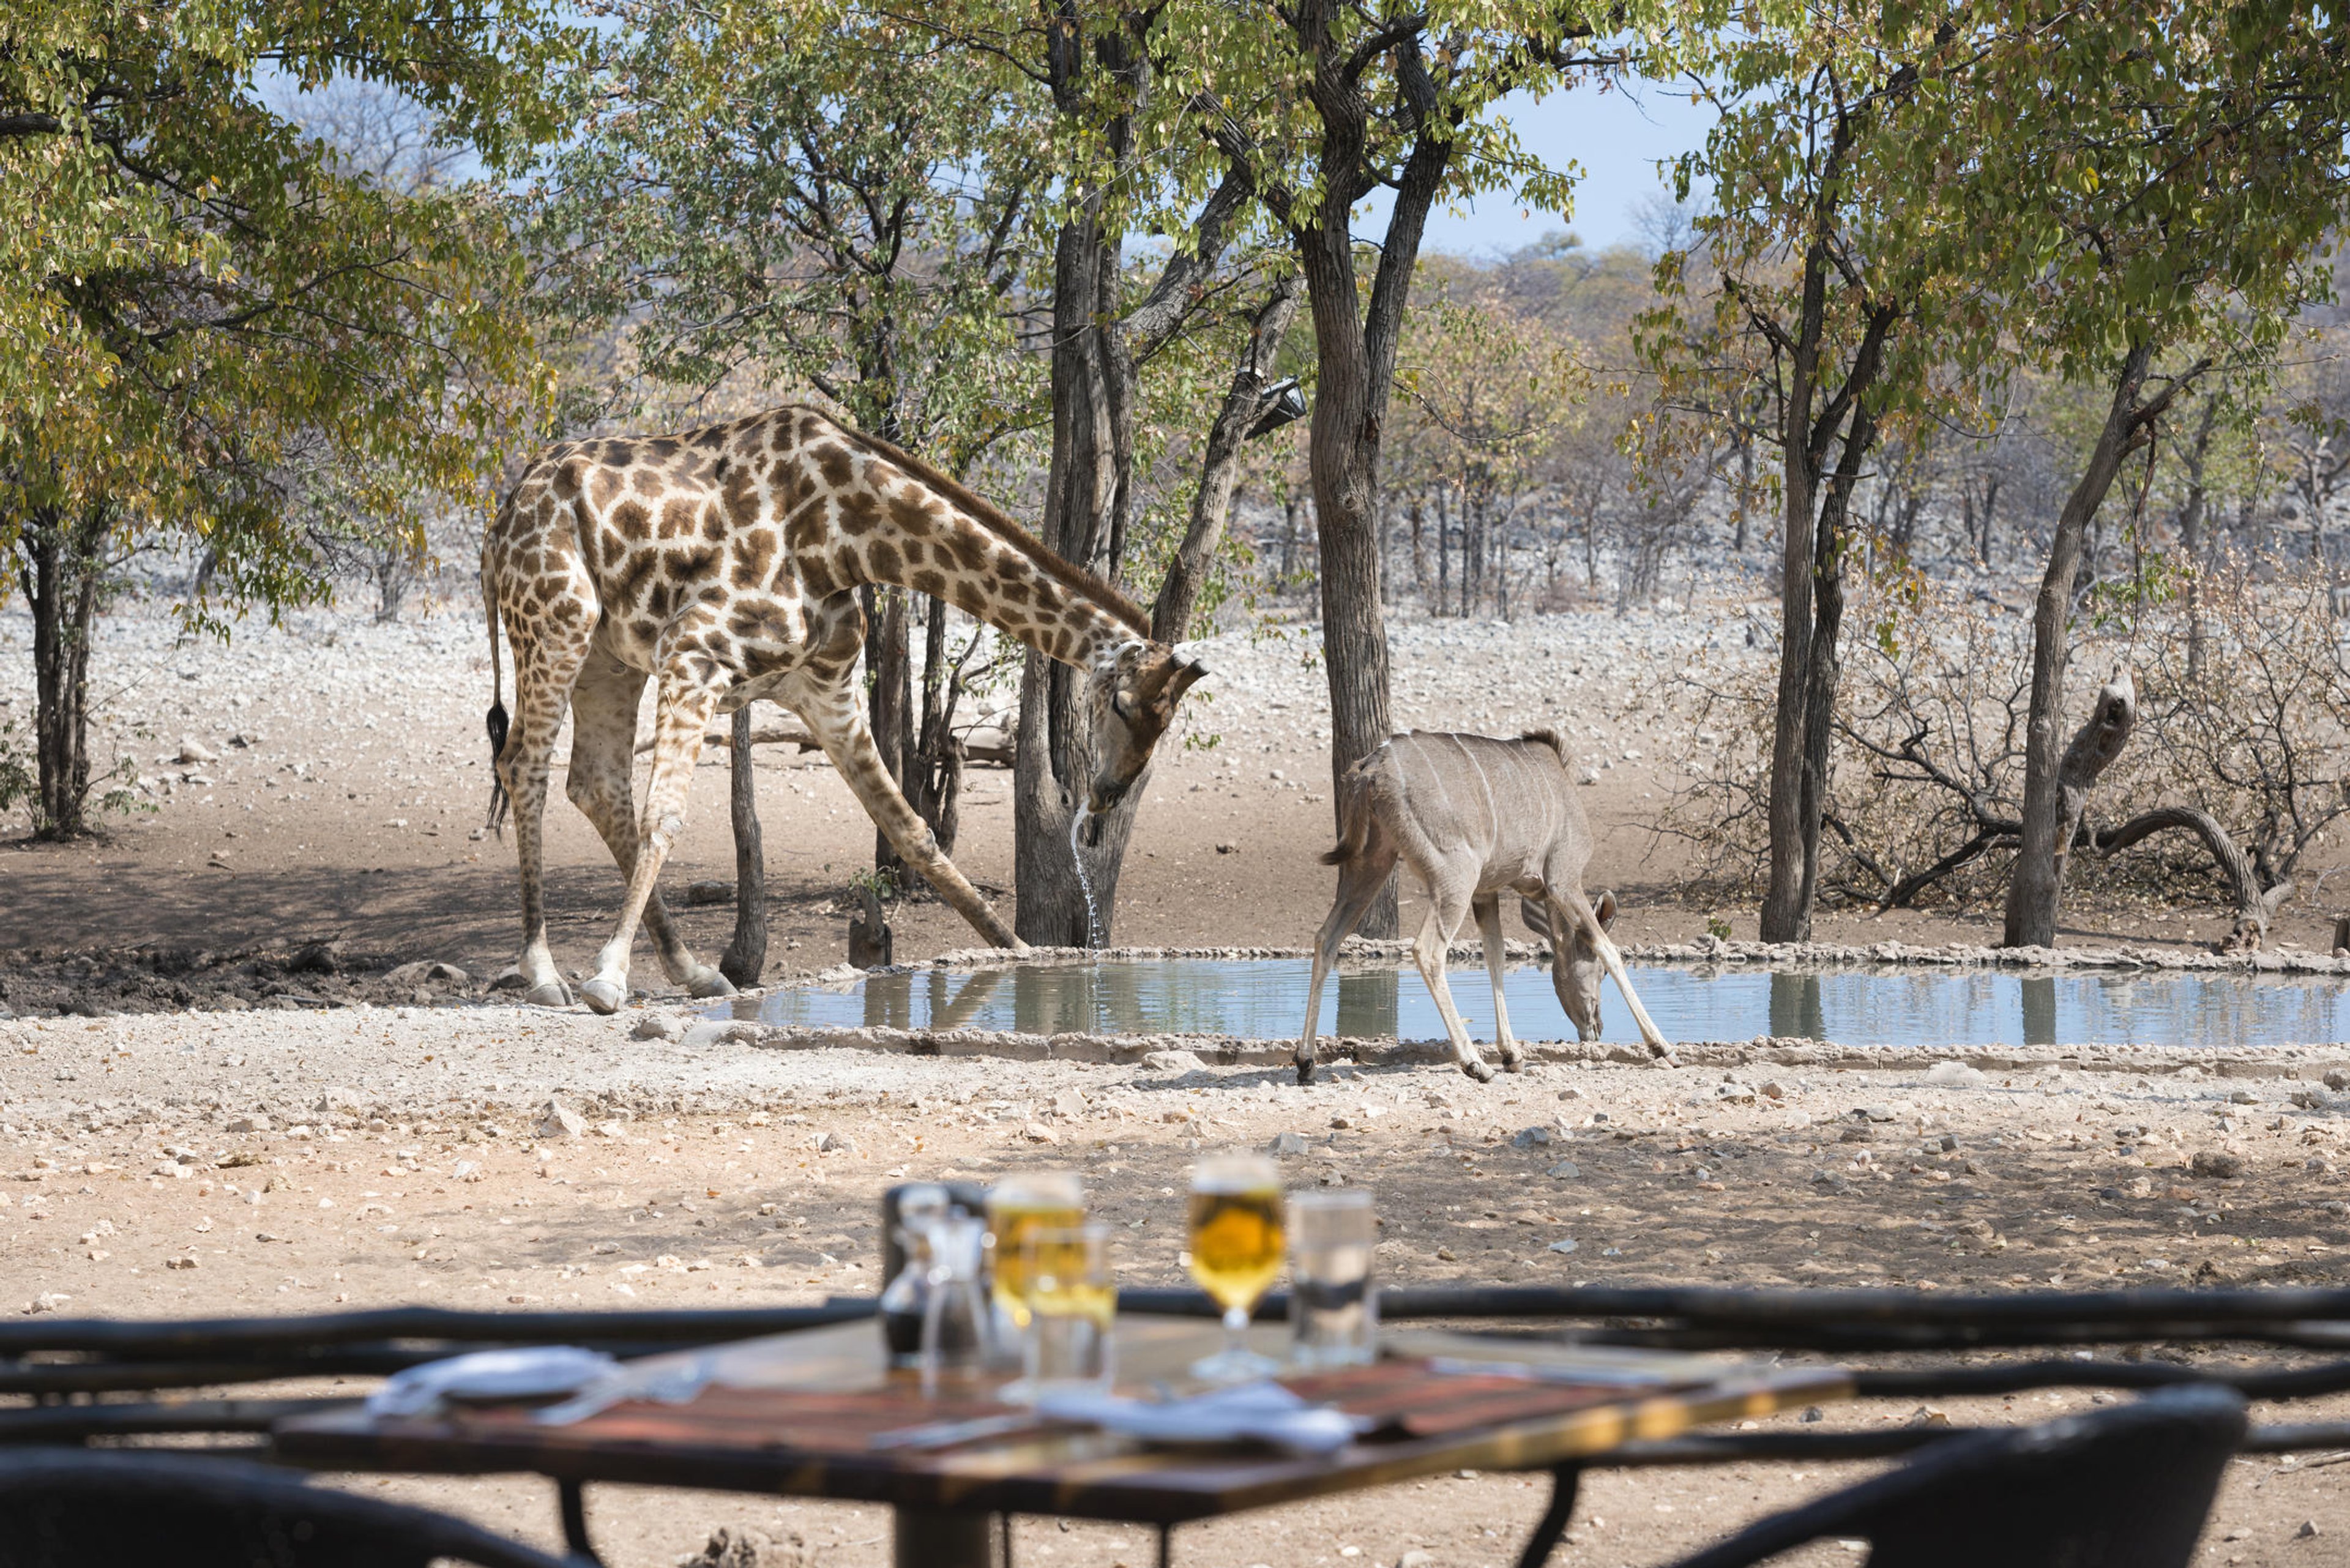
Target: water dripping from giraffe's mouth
{"x": 1077, "y": 824}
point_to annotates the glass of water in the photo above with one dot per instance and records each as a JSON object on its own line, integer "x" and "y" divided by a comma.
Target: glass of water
{"x": 1333, "y": 1305}
{"x": 1072, "y": 1302}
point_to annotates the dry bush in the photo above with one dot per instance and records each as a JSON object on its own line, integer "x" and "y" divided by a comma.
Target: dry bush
{"x": 2237, "y": 769}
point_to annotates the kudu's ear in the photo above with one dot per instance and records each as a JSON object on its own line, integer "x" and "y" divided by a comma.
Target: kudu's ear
{"x": 1605, "y": 908}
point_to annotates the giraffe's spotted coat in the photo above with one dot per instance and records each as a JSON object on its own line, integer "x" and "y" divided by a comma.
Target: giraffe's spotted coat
{"x": 722, "y": 563}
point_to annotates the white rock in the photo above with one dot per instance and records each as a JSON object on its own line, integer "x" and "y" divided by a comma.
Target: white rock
{"x": 1288, "y": 1144}
{"x": 833, "y": 1142}
{"x": 1956, "y": 1074}
{"x": 252, "y": 1123}
{"x": 561, "y": 1121}
{"x": 659, "y": 1026}
{"x": 1172, "y": 1061}
{"x": 1566, "y": 1170}
{"x": 194, "y": 751}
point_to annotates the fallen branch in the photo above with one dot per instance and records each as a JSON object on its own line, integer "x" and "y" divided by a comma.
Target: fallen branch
{"x": 2255, "y": 905}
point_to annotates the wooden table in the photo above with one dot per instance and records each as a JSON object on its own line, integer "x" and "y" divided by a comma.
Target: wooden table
{"x": 796, "y": 1414}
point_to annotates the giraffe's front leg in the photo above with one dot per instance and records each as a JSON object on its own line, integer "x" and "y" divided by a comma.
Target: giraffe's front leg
{"x": 603, "y": 737}
{"x": 685, "y": 710}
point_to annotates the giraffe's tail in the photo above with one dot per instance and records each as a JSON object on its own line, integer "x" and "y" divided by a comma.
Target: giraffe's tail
{"x": 498, "y": 724}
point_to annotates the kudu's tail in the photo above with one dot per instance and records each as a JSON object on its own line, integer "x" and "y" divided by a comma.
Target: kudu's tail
{"x": 497, "y": 715}
{"x": 1354, "y": 817}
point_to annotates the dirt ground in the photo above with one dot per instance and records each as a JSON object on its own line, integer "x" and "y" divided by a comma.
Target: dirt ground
{"x": 203, "y": 1132}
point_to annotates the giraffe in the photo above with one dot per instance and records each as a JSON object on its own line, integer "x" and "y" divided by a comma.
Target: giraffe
{"x": 722, "y": 562}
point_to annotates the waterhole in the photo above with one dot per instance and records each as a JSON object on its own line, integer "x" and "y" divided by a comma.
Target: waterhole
{"x": 1264, "y": 999}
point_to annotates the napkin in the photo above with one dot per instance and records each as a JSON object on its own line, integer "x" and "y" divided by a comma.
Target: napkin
{"x": 1264, "y": 1412}
{"x": 540, "y": 1372}
{"x": 673, "y": 1379}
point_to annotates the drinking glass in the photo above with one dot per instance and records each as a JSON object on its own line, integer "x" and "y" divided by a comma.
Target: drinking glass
{"x": 1072, "y": 1300}
{"x": 955, "y": 1326}
{"x": 1015, "y": 1206}
{"x": 1334, "y": 1307}
{"x": 1236, "y": 1212}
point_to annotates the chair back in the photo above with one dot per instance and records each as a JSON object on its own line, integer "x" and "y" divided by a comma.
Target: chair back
{"x": 2127, "y": 1486}
{"x": 71, "y": 1507}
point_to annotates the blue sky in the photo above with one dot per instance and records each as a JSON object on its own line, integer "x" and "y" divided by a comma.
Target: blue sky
{"x": 1617, "y": 137}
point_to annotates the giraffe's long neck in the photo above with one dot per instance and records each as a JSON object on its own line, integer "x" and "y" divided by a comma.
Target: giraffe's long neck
{"x": 900, "y": 522}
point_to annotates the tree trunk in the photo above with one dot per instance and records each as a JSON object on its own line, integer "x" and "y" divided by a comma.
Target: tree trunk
{"x": 60, "y": 572}
{"x": 1786, "y": 915}
{"x": 2094, "y": 746}
{"x": 889, "y": 698}
{"x": 2033, "y": 892}
{"x": 746, "y": 952}
{"x": 1054, "y": 754}
{"x": 935, "y": 767}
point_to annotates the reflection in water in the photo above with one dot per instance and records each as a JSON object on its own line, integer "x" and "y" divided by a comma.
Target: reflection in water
{"x": 2039, "y": 999}
{"x": 1264, "y": 999}
{"x": 1794, "y": 1007}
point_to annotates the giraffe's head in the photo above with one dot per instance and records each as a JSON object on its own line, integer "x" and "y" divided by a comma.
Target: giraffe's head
{"x": 1132, "y": 695}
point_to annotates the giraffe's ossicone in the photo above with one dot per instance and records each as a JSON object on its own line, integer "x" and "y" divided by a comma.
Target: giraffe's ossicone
{"x": 723, "y": 562}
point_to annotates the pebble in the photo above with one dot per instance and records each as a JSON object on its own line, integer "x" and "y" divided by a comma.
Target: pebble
{"x": 835, "y": 1143}
{"x": 2218, "y": 1162}
{"x": 561, "y": 1121}
{"x": 1287, "y": 1145}
{"x": 1172, "y": 1061}
{"x": 1873, "y": 1113}
{"x": 700, "y": 893}
{"x": 1534, "y": 1137}
{"x": 195, "y": 751}
{"x": 253, "y": 1123}
{"x": 1563, "y": 1244}
{"x": 1565, "y": 1171}
{"x": 659, "y": 1026}
{"x": 1037, "y": 1132}
{"x": 2307, "y": 1531}
{"x": 1417, "y": 1560}
{"x": 1956, "y": 1074}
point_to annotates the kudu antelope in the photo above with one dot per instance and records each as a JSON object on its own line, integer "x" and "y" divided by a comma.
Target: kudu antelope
{"x": 1475, "y": 818}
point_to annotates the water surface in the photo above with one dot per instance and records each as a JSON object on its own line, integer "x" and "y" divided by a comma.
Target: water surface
{"x": 1264, "y": 999}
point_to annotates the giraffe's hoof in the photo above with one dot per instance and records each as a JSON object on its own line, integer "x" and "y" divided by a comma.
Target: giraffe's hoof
{"x": 1305, "y": 1073}
{"x": 603, "y": 995}
{"x": 708, "y": 981}
{"x": 554, "y": 993}
{"x": 1483, "y": 1071}
{"x": 1513, "y": 1062}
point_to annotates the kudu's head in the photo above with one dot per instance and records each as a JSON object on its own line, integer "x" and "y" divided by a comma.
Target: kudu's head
{"x": 1575, "y": 969}
{"x": 1132, "y": 696}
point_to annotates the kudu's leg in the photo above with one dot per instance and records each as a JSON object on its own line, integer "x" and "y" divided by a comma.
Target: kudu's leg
{"x": 1448, "y": 907}
{"x": 603, "y": 742}
{"x": 1359, "y": 882}
{"x": 1578, "y": 907}
{"x": 1488, "y": 909}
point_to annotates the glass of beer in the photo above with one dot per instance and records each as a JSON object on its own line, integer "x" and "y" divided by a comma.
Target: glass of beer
{"x": 1236, "y": 1251}
{"x": 1015, "y": 1206}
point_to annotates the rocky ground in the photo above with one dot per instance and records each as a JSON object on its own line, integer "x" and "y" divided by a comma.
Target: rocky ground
{"x": 259, "y": 1067}
{"x": 261, "y": 1162}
